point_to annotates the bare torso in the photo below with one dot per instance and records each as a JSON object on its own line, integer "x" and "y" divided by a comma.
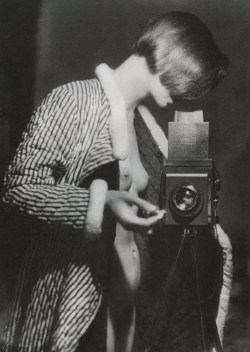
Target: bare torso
{"x": 126, "y": 264}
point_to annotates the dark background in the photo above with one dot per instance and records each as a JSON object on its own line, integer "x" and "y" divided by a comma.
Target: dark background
{"x": 46, "y": 43}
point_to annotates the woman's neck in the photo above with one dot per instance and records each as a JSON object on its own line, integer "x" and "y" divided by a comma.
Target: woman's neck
{"x": 131, "y": 78}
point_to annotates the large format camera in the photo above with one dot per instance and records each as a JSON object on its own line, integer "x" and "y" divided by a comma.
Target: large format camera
{"x": 190, "y": 183}
{"x": 190, "y": 179}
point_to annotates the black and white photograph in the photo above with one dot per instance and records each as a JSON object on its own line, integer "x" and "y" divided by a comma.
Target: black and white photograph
{"x": 124, "y": 176}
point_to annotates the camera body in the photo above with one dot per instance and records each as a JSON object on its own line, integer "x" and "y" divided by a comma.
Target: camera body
{"x": 190, "y": 180}
{"x": 190, "y": 192}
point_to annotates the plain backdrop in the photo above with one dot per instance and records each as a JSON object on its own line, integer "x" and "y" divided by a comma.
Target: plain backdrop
{"x": 46, "y": 43}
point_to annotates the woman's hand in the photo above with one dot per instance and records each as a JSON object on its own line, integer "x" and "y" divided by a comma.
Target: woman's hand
{"x": 122, "y": 203}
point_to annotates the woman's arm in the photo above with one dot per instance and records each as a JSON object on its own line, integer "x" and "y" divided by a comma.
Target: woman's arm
{"x": 30, "y": 184}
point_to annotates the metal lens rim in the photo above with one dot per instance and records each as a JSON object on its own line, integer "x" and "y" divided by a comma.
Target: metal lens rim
{"x": 194, "y": 210}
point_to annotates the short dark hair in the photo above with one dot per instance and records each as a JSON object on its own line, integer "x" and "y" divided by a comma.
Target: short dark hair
{"x": 179, "y": 47}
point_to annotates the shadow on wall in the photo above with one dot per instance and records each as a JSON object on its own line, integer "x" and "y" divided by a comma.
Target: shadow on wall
{"x": 18, "y": 41}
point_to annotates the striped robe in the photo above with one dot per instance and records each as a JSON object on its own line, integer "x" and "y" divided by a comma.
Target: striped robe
{"x": 66, "y": 140}
{"x": 77, "y": 130}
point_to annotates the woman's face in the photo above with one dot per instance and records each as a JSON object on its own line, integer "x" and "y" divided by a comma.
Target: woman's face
{"x": 159, "y": 92}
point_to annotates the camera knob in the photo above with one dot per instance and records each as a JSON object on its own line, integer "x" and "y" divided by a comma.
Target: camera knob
{"x": 216, "y": 199}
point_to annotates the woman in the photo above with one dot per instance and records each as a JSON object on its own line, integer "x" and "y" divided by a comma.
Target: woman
{"x": 75, "y": 181}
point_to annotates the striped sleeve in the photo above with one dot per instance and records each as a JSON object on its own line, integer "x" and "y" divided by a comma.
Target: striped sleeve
{"x": 30, "y": 184}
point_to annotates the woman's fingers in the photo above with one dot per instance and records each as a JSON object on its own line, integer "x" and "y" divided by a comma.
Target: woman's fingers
{"x": 141, "y": 203}
{"x": 144, "y": 224}
{"x": 122, "y": 204}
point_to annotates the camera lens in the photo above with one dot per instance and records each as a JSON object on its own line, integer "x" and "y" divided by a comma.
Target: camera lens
{"x": 185, "y": 200}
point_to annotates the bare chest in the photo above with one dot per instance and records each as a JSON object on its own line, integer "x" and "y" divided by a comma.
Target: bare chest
{"x": 133, "y": 176}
